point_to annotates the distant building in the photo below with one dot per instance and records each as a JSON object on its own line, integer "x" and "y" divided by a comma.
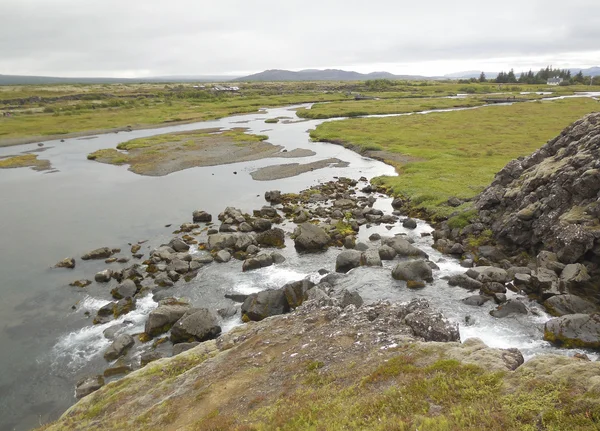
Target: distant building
{"x": 555, "y": 81}
{"x": 223, "y": 88}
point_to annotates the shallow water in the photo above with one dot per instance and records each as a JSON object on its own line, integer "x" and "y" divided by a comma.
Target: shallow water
{"x": 47, "y": 340}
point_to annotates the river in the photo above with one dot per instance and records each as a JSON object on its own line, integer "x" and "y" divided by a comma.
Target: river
{"x": 47, "y": 339}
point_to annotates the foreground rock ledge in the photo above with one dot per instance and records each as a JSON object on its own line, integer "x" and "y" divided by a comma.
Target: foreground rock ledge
{"x": 343, "y": 369}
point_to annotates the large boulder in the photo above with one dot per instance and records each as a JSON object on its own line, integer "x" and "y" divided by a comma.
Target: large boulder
{"x": 464, "y": 281}
{"x": 124, "y": 290}
{"x": 559, "y": 305}
{"x": 370, "y": 258}
{"x": 572, "y": 276}
{"x": 413, "y": 270}
{"x": 488, "y": 273}
{"x": 387, "y": 253}
{"x": 511, "y": 307}
{"x": 99, "y": 253}
{"x": 296, "y": 292}
{"x": 271, "y": 238}
{"x": 574, "y": 331}
{"x": 310, "y": 238}
{"x": 161, "y": 319}
{"x": 197, "y": 324}
{"x": 88, "y": 385}
{"x": 201, "y": 217}
{"x": 119, "y": 347}
{"x": 259, "y": 306}
{"x": 403, "y": 247}
{"x": 347, "y": 260}
{"x": 260, "y": 261}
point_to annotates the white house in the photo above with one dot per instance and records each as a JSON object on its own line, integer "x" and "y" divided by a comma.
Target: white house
{"x": 555, "y": 81}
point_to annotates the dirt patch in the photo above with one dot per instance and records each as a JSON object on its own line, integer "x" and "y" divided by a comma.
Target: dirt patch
{"x": 163, "y": 154}
{"x": 277, "y": 172}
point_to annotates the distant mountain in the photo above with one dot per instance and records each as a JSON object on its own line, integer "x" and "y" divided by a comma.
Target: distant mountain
{"x": 321, "y": 75}
{"x": 590, "y": 71}
{"x": 37, "y": 80}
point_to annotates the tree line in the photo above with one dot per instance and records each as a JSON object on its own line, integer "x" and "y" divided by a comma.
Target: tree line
{"x": 540, "y": 77}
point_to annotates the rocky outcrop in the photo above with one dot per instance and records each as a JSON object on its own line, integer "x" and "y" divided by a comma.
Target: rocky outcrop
{"x": 574, "y": 330}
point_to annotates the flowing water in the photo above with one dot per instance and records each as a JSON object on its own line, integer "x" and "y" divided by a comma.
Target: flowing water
{"x": 47, "y": 340}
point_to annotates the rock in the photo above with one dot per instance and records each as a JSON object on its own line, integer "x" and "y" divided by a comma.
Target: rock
{"x": 273, "y": 196}
{"x": 574, "y": 331}
{"x": 370, "y": 258}
{"x": 374, "y": 237}
{"x": 431, "y": 326}
{"x": 67, "y": 262}
{"x": 545, "y": 282}
{"x": 103, "y": 276}
{"x": 262, "y": 224}
{"x": 119, "y": 347}
{"x": 163, "y": 317}
{"x": 492, "y": 287}
{"x": 560, "y": 305}
{"x": 361, "y": 246}
{"x": 454, "y": 202}
{"x": 457, "y": 249}
{"x": 572, "y": 276}
{"x": 111, "y": 332}
{"x": 88, "y": 385}
{"x": 179, "y": 266}
{"x": 403, "y": 247}
{"x": 415, "y": 284}
{"x": 271, "y": 238}
{"x": 467, "y": 263}
{"x": 386, "y": 252}
{"x": 223, "y": 256}
{"x": 303, "y": 217}
{"x": 269, "y": 212}
{"x": 514, "y": 270}
{"x": 347, "y": 298}
{"x": 245, "y": 227}
{"x": 510, "y": 307}
{"x": 499, "y": 298}
{"x": 349, "y": 242}
{"x": 123, "y": 306}
{"x": 277, "y": 257}
{"x": 197, "y": 324}
{"x": 120, "y": 367}
{"x": 260, "y": 261}
{"x": 259, "y": 306}
{"x": 163, "y": 280}
{"x": 347, "y": 260}
{"x": 184, "y": 347}
{"x": 397, "y": 203}
{"x": 464, "y": 281}
{"x": 476, "y": 300}
{"x": 227, "y": 312}
{"x": 310, "y": 238}
{"x": 296, "y": 292}
{"x": 99, "y": 253}
{"x": 81, "y": 283}
{"x": 409, "y": 223}
{"x": 124, "y": 290}
{"x": 178, "y": 245}
{"x": 415, "y": 270}
{"x": 488, "y": 273}
{"x": 199, "y": 216}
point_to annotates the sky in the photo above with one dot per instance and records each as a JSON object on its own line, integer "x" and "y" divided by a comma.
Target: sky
{"x": 141, "y": 38}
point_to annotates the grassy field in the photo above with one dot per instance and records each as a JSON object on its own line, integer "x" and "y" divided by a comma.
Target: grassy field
{"x": 54, "y": 110}
{"x": 459, "y": 152}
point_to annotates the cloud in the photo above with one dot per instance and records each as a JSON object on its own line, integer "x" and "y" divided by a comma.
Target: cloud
{"x": 149, "y": 37}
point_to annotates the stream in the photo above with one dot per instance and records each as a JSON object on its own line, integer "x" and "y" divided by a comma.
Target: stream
{"x": 48, "y": 341}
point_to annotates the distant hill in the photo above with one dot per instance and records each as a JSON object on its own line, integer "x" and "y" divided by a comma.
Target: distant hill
{"x": 38, "y": 80}
{"x": 321, "y": 75}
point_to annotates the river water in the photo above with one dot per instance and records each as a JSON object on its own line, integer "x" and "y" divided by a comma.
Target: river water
{"x": 47, "y": 341}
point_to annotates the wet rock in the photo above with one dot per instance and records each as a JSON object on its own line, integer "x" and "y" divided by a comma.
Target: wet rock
{"x": 184, "y": 347}
{"x": 491, "y": 287}
{"x": 574, "y": 331}
{"x": 67, "y": 262}
{"x": 403, "y": 247}
{"x": 545, "y": 282}
{"x": 199, "y": 216}
{"x": 99, "y": 253}
{"x": 488, "y": 273}
{"x": 296, "y": 292}
{"x": 464, "y": 281}
{"x": 119, "y": 347}
{"x": 432, "y": 326}
{"x": 347, "y": 260}
{"x": 262, "y": 224}
{"x": 252, "y": 249}
{"x": 111, "y": 260}
{"x": 163, "y": 280}
{"x": 560, "y": 305}
{"x": 271, "y": 238}
{"x": 273, "y": 196}
{"x": 374, "y": 237}
{"x": 467, "y": 263}
{"x": 88, "y": 385}
{"x": 511, "y": 307}
{"x": 197, "y": 324}
{"x": 370, "y": 258}
{"x": 188, "y": 227}
{"x": 386, "y": 252}
{"x": 269, "y": 212}
{"x": 457, "y": 249}
{"x": 80, "y": 283}
{"x": 409, "y": 223}
{"x": 415, "y": 270}
{"x": 303, "y": 217}
{"x": 475, "y": 300}
{"x": 119, "y": 368}
{"x": 349, "y": 242}
{"x": 124, "y": 290}
{"x": 103, "y": 276}
{"x": 572, "y": 276}
{"x": 123, "y": 306}
{"x": 223, "y": 256}
{"x": 163, "y": 317}
{"x": 236, "y": 297}
{"x": 260, "y": 261}
{"x": 179, "y": 266}
{"x": 397, "y": 203}
{"x": 178, "y": 245}
{"x": 227, "y": 312}
{"x": 259, "y": 306}
{"x": 310, "y": 238}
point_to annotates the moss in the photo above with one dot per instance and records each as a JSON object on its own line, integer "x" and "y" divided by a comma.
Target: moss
{"x": 272, "y": 120}
{"x": 462, "y": 219}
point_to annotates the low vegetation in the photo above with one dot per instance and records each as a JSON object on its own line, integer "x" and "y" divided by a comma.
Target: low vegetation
{"x": 24, "y": 161}
{"x": 458, "y": 153}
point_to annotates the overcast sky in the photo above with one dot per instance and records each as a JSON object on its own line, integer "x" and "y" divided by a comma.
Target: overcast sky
{"x": 136, "y": 38}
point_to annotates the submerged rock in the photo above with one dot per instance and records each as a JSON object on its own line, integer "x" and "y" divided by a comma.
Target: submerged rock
{"x": 99, "y": 253}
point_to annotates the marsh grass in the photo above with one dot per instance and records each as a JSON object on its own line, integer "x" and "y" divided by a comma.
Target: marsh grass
{"x": 460, "y": 151}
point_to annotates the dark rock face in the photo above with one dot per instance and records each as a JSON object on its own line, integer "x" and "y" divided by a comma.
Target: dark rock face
{"x": 310, "y": 238}
{"x": 259, "y": 306}
{"x": 549, "y": 199}
{"x": 574, "y": 330}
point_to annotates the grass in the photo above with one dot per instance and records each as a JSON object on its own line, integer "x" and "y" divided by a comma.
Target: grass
{"x": 24, "y": 161}
{"x": 459, "y": 152}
